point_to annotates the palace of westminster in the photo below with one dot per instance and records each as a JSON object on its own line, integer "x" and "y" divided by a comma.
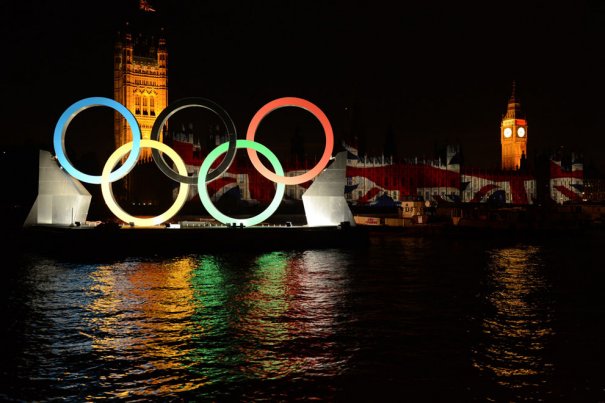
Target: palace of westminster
{"x": 141, "y": 84}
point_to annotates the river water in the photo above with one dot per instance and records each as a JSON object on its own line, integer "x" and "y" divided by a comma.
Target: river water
{"x": 405, "y": 319}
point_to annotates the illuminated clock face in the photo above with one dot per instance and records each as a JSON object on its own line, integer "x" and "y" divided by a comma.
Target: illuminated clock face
{"x": 521, "y": 132}
{"x": 508, "y": 132}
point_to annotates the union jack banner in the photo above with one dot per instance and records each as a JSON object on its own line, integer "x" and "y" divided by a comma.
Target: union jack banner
{"x": 374, "y": 182}
{"x": 242, "y": 182}
{"x": 502, "y": 187}
{"x": 367, "y": 183}
{"x": 566, "y": 182}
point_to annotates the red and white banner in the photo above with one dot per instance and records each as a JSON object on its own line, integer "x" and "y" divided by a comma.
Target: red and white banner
{"x": 371, "y": 182}
{"x": 506, "y": 187}
{"x": 566, "y": 184}
{"x": 367, "y": 183}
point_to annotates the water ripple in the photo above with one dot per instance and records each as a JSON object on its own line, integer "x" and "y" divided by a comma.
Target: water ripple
{"x": 414, "y": 319}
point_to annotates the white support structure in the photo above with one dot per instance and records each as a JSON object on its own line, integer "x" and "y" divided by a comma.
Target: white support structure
{"x": 62, "y": 199}
{"x": 324, "y": 200}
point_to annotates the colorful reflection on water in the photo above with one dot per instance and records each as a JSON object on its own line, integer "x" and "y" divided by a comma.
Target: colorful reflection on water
{"x": 413, "y": 319}
{"x": 191, "y": 321}
{"x": 274, "y": 340}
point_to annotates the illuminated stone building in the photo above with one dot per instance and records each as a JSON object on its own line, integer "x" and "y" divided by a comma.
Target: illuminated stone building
{"x": 513, "y": 135}
{"x": 140, "y": 80}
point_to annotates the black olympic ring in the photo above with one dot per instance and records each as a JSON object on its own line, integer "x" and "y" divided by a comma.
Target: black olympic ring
{"x": 183, "y": 103}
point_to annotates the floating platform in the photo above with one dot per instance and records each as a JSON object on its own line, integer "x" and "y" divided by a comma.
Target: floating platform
{"x": 109, "y": 241}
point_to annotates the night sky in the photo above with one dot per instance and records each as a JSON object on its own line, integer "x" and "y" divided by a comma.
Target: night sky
{"x": 430, "y": 72}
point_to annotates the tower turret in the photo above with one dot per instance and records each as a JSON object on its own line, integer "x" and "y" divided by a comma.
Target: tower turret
{"x": 140, "y": 74}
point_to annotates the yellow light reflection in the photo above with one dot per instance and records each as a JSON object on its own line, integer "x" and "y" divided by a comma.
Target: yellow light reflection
{"x": 516, "y": 328}
{"x": 142, "y": 315}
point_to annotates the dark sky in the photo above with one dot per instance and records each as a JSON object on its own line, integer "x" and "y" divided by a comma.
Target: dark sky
{"x": 432, "y": 72}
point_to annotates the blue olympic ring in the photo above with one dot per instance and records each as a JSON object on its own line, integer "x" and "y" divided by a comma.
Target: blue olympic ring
{"x": 65, "y": 120}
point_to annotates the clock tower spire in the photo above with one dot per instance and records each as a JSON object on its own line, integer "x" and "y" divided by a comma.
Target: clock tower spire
{"x": 513, "y": 134}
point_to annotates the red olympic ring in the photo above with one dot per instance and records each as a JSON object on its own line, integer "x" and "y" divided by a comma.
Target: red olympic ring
{"x": 303, "y": 104}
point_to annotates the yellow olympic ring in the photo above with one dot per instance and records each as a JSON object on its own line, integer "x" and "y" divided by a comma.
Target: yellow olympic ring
{"x": 107, "y": 191}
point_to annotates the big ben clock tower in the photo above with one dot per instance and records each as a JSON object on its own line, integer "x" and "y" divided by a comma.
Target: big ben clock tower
{"x": 513, "y": 135}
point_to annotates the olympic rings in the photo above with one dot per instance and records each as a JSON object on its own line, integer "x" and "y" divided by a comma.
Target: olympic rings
{"x": 203, "y": 191}
{"x": 325, "y": 123}
{"x": 108, "y": 193}
{"x": 204, "y": 176}
{"x": 66, "y": 118}
{"x": 187, "y": 103}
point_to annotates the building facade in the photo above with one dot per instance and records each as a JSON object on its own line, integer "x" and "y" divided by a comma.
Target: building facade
{"x": 140, "y": 76}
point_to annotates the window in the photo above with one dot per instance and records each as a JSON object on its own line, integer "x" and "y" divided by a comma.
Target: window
{"x": 152, "y": 106}
{"x": 137, "y": 104}
{"x": 145, "y": 106}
